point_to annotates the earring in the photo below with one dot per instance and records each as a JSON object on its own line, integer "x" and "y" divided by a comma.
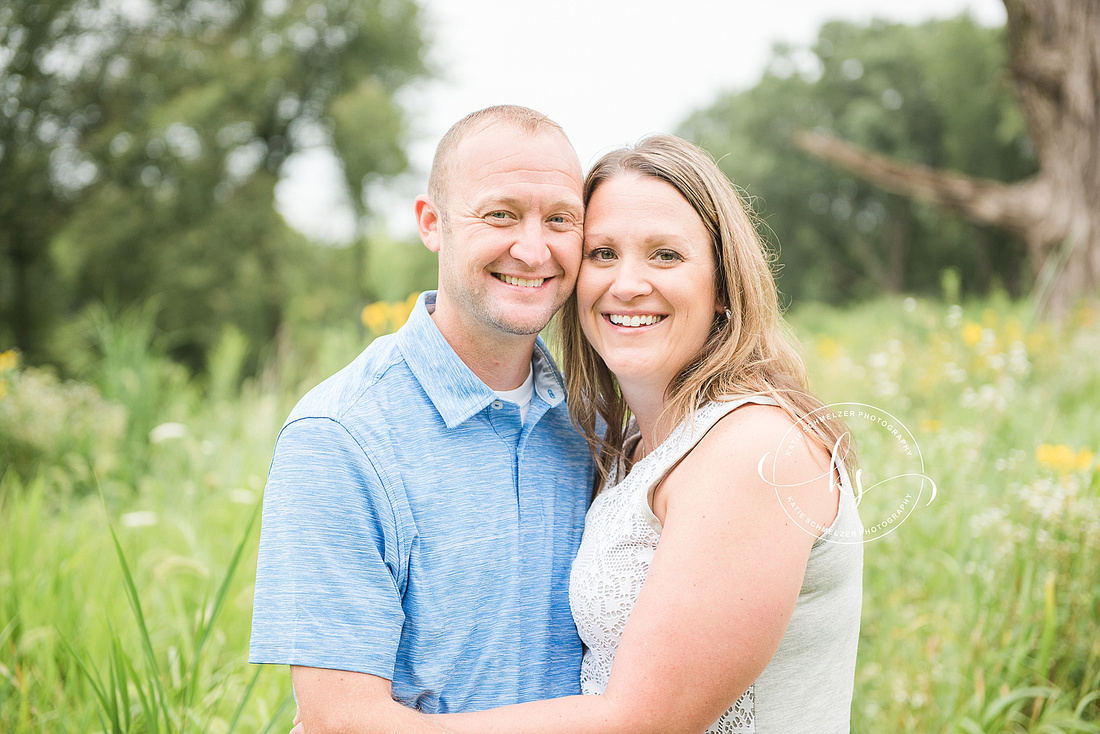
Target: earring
{"x": 729, "y": 315}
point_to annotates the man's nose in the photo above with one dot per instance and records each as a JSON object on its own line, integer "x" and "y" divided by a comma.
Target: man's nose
{"x": 530, "y": 246}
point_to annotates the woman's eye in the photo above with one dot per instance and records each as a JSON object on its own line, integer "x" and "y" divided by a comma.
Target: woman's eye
{"x": 601, "y": 254}
{"x": 667, "y": 256}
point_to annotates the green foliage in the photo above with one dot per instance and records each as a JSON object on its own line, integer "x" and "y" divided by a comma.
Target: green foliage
{"x": 139, "y": 153}
{"x": 64, "y": 429}
{"x": 980, "y": 612}
{"x": 935, "y": 94}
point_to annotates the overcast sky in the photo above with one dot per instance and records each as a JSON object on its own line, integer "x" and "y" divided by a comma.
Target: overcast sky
{"x": 608, "y": 71}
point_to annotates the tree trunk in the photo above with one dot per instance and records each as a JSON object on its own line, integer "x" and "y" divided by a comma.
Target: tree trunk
{"x": 1054, "y": 48}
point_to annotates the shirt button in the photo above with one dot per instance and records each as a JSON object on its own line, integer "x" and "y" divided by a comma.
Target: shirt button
{"x": 497, "y": 405}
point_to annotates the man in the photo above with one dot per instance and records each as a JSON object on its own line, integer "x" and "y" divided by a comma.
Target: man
{"x": 425, "y": 503}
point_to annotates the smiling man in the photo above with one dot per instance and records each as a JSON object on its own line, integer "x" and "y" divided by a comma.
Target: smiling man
{"x": 425, "y": 503}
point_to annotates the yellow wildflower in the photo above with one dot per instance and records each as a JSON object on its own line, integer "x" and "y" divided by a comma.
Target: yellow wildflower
{"x": 1086, "y": 314}
{"x": 376, "y": 317}
{"x": 972, "y": 334}
{"x": 931, "y": 425}
{"x": 828, "y": 348}
{"x": 1014, "y": 331}
{"x": 9, "y": 360}
{"x": 401, "y": 311}
{"x": 1063, "y": 459}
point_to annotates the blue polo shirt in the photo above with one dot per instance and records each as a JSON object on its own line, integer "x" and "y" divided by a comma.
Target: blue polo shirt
{"x": 416, "y": 529}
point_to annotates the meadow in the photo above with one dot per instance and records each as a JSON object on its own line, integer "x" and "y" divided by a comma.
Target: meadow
{"x": 128, "y": 530}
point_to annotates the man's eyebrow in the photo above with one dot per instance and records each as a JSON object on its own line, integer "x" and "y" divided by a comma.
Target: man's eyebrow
{"x": 574, "y": 205}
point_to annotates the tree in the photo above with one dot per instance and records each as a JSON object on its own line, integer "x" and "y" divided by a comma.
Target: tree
{"x": 934, "y": 93}
{"x": 1054, "y": 61}
{"x": 140, "y": 144}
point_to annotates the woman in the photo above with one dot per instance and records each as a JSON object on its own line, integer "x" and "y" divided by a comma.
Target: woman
{"x": 707, "y": 589}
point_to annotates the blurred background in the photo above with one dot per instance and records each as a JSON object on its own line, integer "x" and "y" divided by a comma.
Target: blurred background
{"x": 206, "y": 208}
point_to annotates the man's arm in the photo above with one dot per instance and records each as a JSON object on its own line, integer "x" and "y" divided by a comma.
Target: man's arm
{"x": 352, "y": 703}
{"x": 327, "y": 591}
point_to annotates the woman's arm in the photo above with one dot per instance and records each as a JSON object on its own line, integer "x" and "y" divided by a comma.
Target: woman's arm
{"x": 719, "y": 593}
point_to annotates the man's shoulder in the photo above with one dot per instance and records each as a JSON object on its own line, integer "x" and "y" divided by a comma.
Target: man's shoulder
{"x": 361, "y": 381}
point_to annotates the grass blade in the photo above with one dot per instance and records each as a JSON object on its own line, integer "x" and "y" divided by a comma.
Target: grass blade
{"x": 244, "y": 700}
{"x": 207, "y": 625}
{"x": 160, "y": 700}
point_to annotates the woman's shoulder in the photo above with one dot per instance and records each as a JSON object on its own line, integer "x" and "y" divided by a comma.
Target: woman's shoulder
{"x": 751, "y": 421}
{"x": 759, "y": 449}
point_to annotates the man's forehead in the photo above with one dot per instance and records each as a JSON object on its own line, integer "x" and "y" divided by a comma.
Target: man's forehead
{"x": 503, "y": 145}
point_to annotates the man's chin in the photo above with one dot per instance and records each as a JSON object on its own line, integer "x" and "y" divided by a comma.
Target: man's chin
{"x": 520, "y": 324}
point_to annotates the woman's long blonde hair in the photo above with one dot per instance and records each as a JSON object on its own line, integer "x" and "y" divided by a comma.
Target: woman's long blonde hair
{"x": 752, "y": 352}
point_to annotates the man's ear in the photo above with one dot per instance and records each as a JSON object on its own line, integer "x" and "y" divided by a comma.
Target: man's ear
{"x": 428, "y": 222}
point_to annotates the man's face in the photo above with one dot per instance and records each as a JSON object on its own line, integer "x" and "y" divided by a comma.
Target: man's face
{"x": 510, "y": 244}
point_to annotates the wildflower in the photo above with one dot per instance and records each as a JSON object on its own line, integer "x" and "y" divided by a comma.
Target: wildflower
{"x": 242, "y": 496}
{"x": 142, "y": 519}
{"x": 972, "y": 334}
{"x": 382, "y": 317}
{"x": 166, "y": 431}
{"x": 931, "y": 425}
{"x": 1013, "y": 330}
{"x": 376, "y": 316}
{"x": 1063, "y": 459}
{"x": 828, "y": 348}
{"x": 9, "y": 360}
{"x": 954, "y": 317}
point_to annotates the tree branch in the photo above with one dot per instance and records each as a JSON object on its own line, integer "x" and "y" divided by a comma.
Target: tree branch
{"x": 1006, "y": 206}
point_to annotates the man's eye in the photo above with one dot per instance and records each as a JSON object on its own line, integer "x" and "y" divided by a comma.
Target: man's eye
{"x": 499, "y": 215}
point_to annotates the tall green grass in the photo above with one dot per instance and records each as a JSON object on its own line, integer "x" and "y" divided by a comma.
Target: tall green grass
{"x": 128, "y": 609}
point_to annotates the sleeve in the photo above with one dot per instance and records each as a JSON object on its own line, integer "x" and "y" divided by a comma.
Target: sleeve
{"x": 330, "y": 569}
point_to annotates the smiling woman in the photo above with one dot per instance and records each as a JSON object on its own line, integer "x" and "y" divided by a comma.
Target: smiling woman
{"x": 646, "y": 296}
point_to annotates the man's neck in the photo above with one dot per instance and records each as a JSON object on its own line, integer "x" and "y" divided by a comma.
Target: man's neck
{"x": 501, "y": 361}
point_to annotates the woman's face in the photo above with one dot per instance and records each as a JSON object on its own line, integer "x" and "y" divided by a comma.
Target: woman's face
{"x": 645, "y": 292}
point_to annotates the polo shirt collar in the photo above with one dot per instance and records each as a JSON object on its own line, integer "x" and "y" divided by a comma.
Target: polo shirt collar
{"x": 455, "y": 391}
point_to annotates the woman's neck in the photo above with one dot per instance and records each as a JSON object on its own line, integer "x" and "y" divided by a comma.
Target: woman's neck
{"x": 647, "y": 404}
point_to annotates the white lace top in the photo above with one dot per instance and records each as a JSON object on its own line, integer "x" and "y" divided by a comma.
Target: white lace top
{"x": 808, "y": 684}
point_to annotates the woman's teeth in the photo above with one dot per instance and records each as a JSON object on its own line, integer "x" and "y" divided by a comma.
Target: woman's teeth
{"x": 621, "y": 320}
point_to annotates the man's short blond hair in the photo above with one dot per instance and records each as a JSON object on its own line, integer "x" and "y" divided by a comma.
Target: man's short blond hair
{"x": 443, "y": 164}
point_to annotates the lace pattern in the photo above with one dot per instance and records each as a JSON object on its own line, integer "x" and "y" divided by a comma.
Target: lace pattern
{"x": 620, "y": 537}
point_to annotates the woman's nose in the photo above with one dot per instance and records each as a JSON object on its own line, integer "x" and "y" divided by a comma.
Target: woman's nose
{"x": 631, "y": 280}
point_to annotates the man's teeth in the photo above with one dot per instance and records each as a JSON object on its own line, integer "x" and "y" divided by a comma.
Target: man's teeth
{"x": 522, "y": 282}
{"x": 621, "y": 320}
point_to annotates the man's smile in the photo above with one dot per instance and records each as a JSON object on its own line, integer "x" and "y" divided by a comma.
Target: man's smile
{"x": 521, "y": 282}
